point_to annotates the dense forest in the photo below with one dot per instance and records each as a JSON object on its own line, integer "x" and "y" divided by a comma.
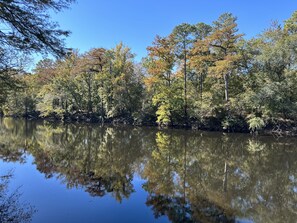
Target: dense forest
{"x": 206, "y": 76}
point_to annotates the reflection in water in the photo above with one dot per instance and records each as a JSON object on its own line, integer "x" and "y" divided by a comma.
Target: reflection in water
{"x": 11, "y": 209}
{"x": 189, "y": 176}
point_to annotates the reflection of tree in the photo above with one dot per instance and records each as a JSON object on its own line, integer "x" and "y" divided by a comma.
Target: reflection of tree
{"x": 190, "y": 176}
{"x": 173, "y": 207}
{"x": 11, "y": 210}
{"x": 169, "y": 173}
{"x": 221, "y": 176}
{"x": 10, "y": 145}
{"x": 101, "y": 160}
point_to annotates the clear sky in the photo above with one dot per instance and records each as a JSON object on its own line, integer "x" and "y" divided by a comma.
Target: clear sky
{"x": 104, "y": 23}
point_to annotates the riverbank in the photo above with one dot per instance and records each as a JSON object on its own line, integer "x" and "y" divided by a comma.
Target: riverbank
{"x": 276, "y": 127}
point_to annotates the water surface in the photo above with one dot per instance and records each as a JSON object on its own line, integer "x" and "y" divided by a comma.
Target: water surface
{"x": 87, "y": 173}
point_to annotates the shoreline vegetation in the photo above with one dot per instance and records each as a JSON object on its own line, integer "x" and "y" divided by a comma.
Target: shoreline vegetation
{"x": 278, "y": 128}
{"x": 200, "y": 76}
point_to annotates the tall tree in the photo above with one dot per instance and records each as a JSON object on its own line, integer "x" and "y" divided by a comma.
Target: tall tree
{"x": 203, "y": 30}
{"x": 162, "y": 79}
{"x": 222, "y": 43}
{"x": 127, "y": 87}
{"x": 89, "y": 66}
{"x": 184, "y": 36}
{"x": 198, "y": 59}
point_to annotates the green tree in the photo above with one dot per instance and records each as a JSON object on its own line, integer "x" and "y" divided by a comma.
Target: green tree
{"x": 184, "y": 37}
{"x": 222, "y": 43}
{"x": 162, "y": 81}
{"x": 270, "y": 89}
{"x": 127, "y": 89}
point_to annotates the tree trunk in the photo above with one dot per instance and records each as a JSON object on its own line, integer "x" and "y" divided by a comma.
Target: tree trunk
{"x": 226, "y": 79}
{"x": 201, "y": 87}
{"x": 90, "y": 103}
{"x": 185, "y": 86}
{"x": 225, "y": 180}
{"x": 185, "y": 168}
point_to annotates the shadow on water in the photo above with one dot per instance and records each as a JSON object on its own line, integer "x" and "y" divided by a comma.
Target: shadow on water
{"x": 12, "y": 210}
{"x": 189, "y": 176}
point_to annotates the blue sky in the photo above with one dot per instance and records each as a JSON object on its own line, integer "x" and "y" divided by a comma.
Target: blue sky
{"x": 104, "y": 23}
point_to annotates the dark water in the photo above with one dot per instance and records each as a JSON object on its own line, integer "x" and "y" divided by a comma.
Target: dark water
{"x": 83, "y": 173}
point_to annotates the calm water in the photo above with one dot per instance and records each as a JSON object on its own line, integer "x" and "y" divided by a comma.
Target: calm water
{"x": 84, "y": 173}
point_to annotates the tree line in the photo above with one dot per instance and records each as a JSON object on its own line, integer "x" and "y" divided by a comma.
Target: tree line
{"x": 203, "y": 75}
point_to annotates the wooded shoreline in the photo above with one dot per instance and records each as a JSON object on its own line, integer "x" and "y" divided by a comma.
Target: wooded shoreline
{"x": 200, "y": 76}
{"x": 278, "y": 128}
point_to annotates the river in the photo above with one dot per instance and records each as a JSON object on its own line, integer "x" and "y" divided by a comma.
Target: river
{"x": 54, "y": 173}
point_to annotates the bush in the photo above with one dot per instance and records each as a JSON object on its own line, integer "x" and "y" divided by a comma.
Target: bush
{"x": 256, "y": 124}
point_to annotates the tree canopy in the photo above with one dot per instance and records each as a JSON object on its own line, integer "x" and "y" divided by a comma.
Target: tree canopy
{"x": 206, "y": 76}
{"x": 25, "y": 25}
